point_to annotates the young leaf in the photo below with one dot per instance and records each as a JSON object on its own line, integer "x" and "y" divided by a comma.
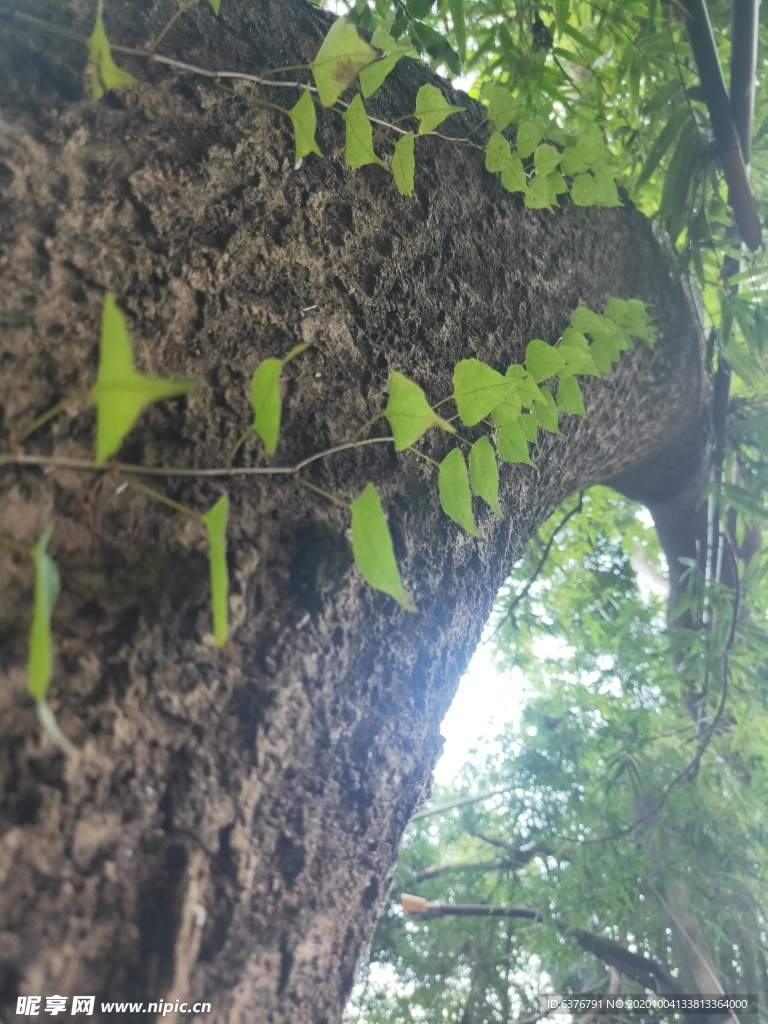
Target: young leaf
{"x": 512, "y": 443}
{"x": 529, "y": 135}
{"x": 214, "y": 5}
{"x": 304, "y": 120}
{"x": 266, "y": 401}
{"x": 546, "y": 414}
{"x": 106, "y": 74}
{"x": 432, "y": 108}
{"x": 503, "y": 108}
{"x": 528, "y": 424}
{"x": 40, "y": 660}
{"x": 524, "y": 386}
{"x": 541, "y": 193}
{"x": 484, "y": 473}
{"x": 632, "y": 316}
{"x": 500, "y": 158}
{"x": 586, "y": 154}
{"x": 403, "y": 164}
{"x": 359, "y": 140}
{"x": 545, "y": 159}
{"x": 120, "y": 392}
{"x": 542, "y": 360}
{"x": 372, "y": 547}
{"x": 215, "y": 520}
{"x": 569, "y": 397}
{"x": 409, "y": 413}
{"x": 507, "y": 411}
{"x": 477, "y": 390}
{"x": 340, "y": 60}
{"x": 455, "y": 497}
{"x": 372, "y": 76}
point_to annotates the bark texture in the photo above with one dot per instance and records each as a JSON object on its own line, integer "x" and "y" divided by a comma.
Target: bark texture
{"x": 229, "y": 828}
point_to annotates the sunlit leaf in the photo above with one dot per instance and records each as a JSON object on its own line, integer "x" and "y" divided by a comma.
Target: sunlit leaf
{"x": 542, "y": 360}
{"x": 340, "y": 60}
{"x": 106, "y": 74}
{"x": 120, "y": 392}
{"x": 304, "y": 121}
{"x": 484, "y": 473}
{"x": 404, "y": 164}
{"x": 373, "y": 550}
{"x": 477, "y": 390}
{"x": 40, "y": 660}
{"x": 455, "y": 496}
{"x": 359, "y": 136}
{"x": 569, "y": 397}
{"x": 266, "y": 400}
{"x": 512, "y": 443}
{"x": 372, "y": 76}
{"x": 432, "y": 108}
{"x": 215, "y": 520}
{"x": 409, "y": 413}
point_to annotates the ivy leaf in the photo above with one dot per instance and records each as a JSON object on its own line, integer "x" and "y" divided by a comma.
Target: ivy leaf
{"x": 503, "y": 108}
{"x": 106, "y": 74}
{"x": 525, "y": 387}
{"x": 359, "y": 139}
{"x": 545, "y": 159}
{"x": 477, "y": 390}
{"x": 304, "y": 120}
{"x": 372, "y": 547}
{"x": 372, "y": 76}
{"x": 340, "y": 60}
{"x": 507, "y": 411}
{"x": 542, "y": 360}
{"x": 432, "y": 108}
{"x": 215, "y": 520}
{"x": 529, "y": 135}
{"x": 541, "y": 193}
{"x": 409, "y": 413}
{"x": 484, "y": 474}
{"x": 588, "y": 151}
{"x": 120, "y": 392}
{"x": 500, "y": 158}
{"x": 595, "y": 189}
{"x": 569, "y": 397}
{"x": 40, "y": 660}
{"x": 214, "y": 6}
{"x": 632, "y": 316}
{"x": 266, "y": 401}
{"x": 455, "y": 496}
{"x": 546, "y": 413}
{"x": 512, "y": 443}
{"x": 404, "y": 165}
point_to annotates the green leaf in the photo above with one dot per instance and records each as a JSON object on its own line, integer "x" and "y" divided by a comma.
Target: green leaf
{"x": 455, "y": 496}
{"x": 542, "y": 360}
{"x": 607, "y": 193}
{"x": 632, "y": 316}
{"x": 340, "y": 60}
{"x": 588, "y": 151}
{"x": 214, "y": 5}
{"x": 512, "y": 443}
{"x": 404, "y": 165}
{"x": 106, "y": 74}
{"x": 372, "y": 547}
{"x": 40, "y": 660}
{"x": 266, "y": 400}
{"x": 524, "y": 385}
{"x": 541, "y": 193}
{"x": 503, "y": 108}
{"x": 359, "y": 140}
{"x": 372, "y": 76}
{"x": 546, "y": 413}
{"x": 484, "y": 474}
{"x": 508, "y": 410}
{"x": 409, "y": 413}
{"x": 120, "y": 392}
{"x": 304, "y": 120}
{"x": 47, "y": 719}
{"x": 561, "y": 15}
{"x": 477, "y": 390}
{"x": 456, "y": 7}
{"x": 436, "y": 46}
{"x": 545, "y": 159}
{"x": 569, "y": 397}
{"x": 584, "y": 190}
{"x": 432, "y": 108}
{"x": 500, "y": 158}
{"x": 215, "y": 520}
{"x": 529, "y": 135}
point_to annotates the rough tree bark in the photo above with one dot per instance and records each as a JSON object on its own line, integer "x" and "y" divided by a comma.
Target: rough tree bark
{"x": 229, "y": 828}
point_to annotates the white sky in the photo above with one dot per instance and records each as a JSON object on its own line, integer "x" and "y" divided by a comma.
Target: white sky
{"x": 486, "y": 700}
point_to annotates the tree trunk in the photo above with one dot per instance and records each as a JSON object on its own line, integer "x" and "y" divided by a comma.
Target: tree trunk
{"x": 229, "y": 828}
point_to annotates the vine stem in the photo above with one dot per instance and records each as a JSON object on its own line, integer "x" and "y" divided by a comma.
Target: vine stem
{"x": 163, "y": 499}
{"x": 65, "y": 403}
{"x": 324, "y": 494}
{"x": 130, "y": 469}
